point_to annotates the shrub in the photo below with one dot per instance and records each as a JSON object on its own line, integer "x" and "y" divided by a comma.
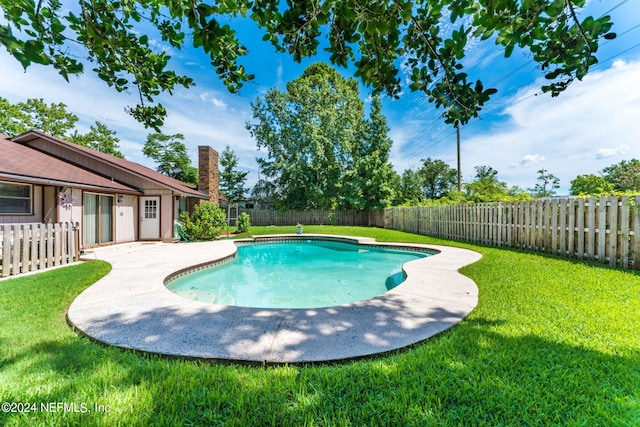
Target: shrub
{"x": 244, "y": 222}
{"x": 206, "y": 222}
{"x": 331, "y": 219}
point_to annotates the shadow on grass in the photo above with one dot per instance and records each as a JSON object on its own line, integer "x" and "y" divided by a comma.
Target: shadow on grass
{"x": 470, "y": 375}
{"x": 268, "y": 336}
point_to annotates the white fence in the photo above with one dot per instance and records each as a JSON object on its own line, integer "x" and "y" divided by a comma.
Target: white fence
{"x": 606, "y": 229}
{"x": 32, "y": 247}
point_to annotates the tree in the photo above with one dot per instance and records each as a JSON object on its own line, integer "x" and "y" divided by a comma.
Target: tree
{"x": 171, "y": 156}
{"x": 231, "y": 180}
{"x": 55, "y": 120}
{"x": 436, "y": 178}
{"x": 625, "y": 176}
{"x": 547, "y": 185}
{"x": 99, "y": 138}
{"x": 377, "y": 38}
{"x": 35, "y": 114}
{"x": 309, "y": 132}
{"x": 410, "y": 190}
{"x": 264, "y": 191}
{"x": 486, "y": 187}
{"x": 12, "y": 119}
{"x": 368, "y": 180}
{"x": 590, "y": 185}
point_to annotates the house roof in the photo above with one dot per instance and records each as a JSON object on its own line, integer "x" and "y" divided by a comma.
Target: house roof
{"x": 22, "y": 163}
{"x": 129, "y": 166}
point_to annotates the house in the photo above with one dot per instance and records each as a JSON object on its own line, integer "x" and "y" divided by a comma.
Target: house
{"x": 48, "y": 180}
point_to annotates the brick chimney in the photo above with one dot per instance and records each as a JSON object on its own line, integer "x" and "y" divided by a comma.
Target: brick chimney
{"x": 208, "y": 176}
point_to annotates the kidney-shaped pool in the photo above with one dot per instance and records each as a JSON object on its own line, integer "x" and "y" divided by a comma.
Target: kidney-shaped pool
{"x": 310, "y": 273}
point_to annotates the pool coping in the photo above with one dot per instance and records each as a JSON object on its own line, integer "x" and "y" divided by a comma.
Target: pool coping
{"x": 131, "y": 308}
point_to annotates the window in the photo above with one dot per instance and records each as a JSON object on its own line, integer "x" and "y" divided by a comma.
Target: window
{"x": 15, "y": 199}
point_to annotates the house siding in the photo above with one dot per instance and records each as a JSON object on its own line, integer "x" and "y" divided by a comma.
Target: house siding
{"x": 166, "y": 217}
{"x": 126, "y": 219}
{"x": 74, "y": 213}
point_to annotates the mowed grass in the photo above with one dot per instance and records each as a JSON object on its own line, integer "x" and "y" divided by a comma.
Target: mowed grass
{"x": 552, "y": 342}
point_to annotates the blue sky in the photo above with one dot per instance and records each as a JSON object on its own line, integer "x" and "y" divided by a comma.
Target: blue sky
{"x": 592, "y": 125}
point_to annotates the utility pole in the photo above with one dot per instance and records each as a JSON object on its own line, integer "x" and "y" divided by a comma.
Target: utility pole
{"x": 459, "y": 173}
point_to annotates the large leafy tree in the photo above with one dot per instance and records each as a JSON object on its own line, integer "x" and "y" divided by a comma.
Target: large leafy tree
{"x": 99, "y": 138}
{"x": 437, "y": 178}
{"x": 486, "y": 187}
{"x": 590, "y": 185}
{"x": 35, "y": 114}
{"x": 232, "y": 181}
{"x": 172, "y": 157}
{"x": 368, "y": 179}
{"x": 410, "y": 190}
{"x": 625, "y": 175}
{"x": 55, "y": 120}
{"x": 310, "y": 133}
{"x": 377, "y": 38}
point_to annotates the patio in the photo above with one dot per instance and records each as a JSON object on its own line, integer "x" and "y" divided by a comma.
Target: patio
{"x": 131, "y": 308}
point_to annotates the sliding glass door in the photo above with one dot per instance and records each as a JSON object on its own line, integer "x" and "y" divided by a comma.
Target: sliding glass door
{"x": 98, "y": 219}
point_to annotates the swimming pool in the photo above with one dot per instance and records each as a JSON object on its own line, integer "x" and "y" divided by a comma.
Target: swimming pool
{"x": 309, "y": 273}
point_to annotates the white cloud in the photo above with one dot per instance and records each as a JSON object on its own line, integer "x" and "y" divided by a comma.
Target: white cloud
{"x": 528, "y": 160}
{"x": 209, "y": 97}
{"x": 574, "y": 132}
{"x": 605, "y": 153}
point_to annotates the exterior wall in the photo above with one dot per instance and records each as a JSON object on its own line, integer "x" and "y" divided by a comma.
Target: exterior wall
{"x": 166, "y": 217}
{"x": 126, "y": 218}
{"x": 49, "y": 208}
{"x": 72, "y": 214}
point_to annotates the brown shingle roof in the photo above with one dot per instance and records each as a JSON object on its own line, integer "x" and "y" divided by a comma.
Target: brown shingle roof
{"x": 117, "y": 162}
{"x": 19, "y": 162}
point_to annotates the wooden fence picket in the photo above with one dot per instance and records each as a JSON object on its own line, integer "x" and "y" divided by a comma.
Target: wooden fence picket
{"x": 31, "y": 247}
{"x": 606, "y": 229}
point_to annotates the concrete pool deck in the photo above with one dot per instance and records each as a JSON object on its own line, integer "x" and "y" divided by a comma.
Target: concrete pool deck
{"x": 131, "y": 308}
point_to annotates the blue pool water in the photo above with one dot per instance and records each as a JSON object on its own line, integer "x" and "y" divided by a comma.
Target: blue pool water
{"x": 299, "y": 274}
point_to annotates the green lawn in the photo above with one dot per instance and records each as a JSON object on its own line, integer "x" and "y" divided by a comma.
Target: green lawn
{"x": 552, "y": 342}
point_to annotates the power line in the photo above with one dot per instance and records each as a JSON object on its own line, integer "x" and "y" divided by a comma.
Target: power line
{"x": 488, "y": 113}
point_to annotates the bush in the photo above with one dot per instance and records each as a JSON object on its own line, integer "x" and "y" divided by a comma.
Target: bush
{"x": 331, "y": 219}
{"x": 244, "y": 222}
{"x": 206, "y": 222}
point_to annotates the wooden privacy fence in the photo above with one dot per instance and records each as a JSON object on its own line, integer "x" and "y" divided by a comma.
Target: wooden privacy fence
{"x": 31, "y": 247}
{"x": 308, "y": 217}
{"x": 606, "y": 229}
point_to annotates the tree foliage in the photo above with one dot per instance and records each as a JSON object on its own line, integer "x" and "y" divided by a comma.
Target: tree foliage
{"x": 625, "y": 176}
{"x": 437, "y": 178}
{"x": 367, "y": 179}
{"x": 377, "y": 38}
{"x": 205, "y": 223}
{"x": 99, "y": 138}
{"x": 232, "y": 181}
{"x": 321, "y": 151}
{"x": 171, "y": 156}
{"x": 546, "y": 186}
{"x": 590, "y": 185}
{"x": 410, "y": 189}
{"x": 55, "y": 120}
{"x": 35, "y": 114}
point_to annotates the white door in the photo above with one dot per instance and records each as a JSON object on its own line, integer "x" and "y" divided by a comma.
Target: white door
{"x": 149, "y": 218}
